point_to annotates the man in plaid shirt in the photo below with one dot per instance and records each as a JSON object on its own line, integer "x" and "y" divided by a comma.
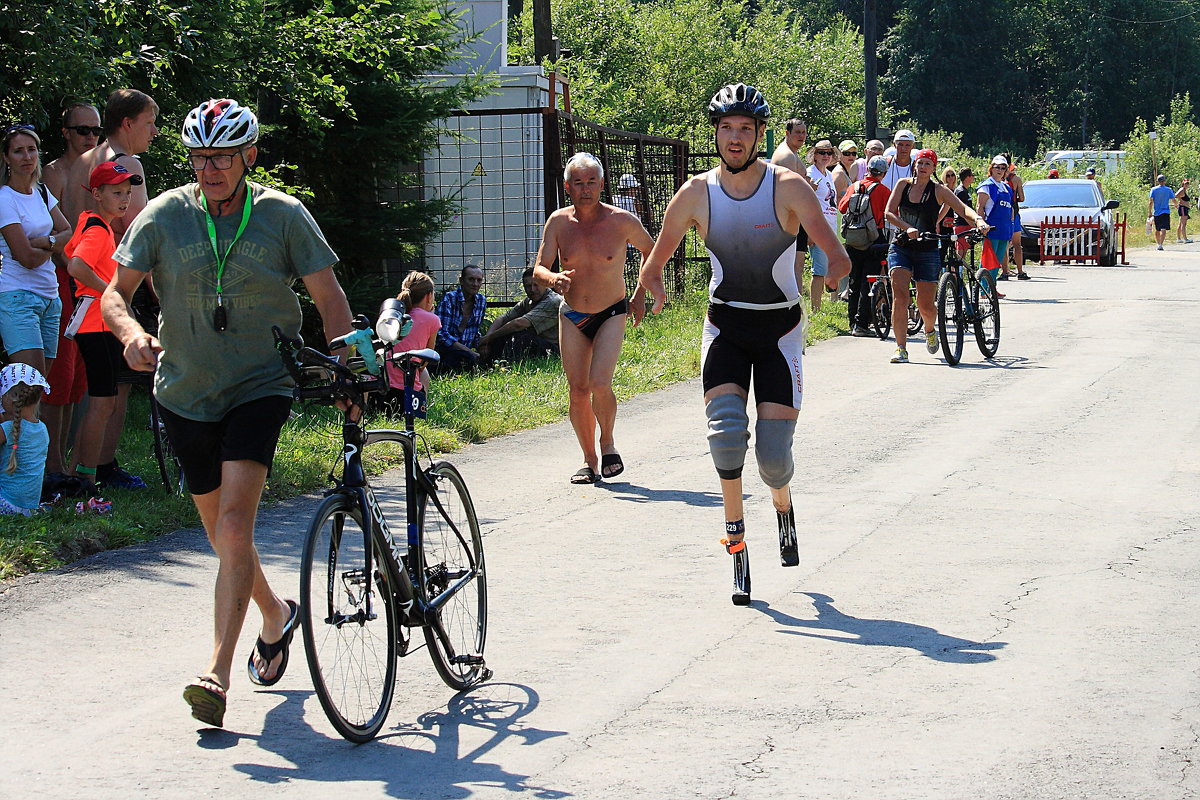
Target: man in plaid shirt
{"x": 461, "y": 312}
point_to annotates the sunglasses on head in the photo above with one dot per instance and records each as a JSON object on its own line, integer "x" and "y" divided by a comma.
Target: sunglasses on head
{"x": 86, "y": 130}
{"x": 18, "y": 126}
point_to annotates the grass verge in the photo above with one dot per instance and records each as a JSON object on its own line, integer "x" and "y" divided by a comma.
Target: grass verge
{"x": 464, "y": 408}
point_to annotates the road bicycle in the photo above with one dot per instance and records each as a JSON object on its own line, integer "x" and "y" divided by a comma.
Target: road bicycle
{"x": 965, "y": 297}
{"x": 365, "y": 586}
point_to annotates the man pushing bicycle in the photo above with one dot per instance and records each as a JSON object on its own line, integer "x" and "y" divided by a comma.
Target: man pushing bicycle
{"x": 225, "y": 253}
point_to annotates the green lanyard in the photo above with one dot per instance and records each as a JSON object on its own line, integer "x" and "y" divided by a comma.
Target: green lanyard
{"x": 219, "y": 315}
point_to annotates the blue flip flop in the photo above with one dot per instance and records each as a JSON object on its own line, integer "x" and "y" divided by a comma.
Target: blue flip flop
{"x": 267, "y": 652}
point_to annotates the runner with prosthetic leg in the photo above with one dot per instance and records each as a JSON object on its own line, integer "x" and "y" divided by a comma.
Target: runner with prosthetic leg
{"x": 748, "y": 213}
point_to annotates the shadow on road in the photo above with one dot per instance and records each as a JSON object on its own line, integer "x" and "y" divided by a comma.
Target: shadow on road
{"x": 400, "y": 759}
{"x": 882, "y": 633}
{"x": 1001, "y": 362}
{"x": 642, "y": 494}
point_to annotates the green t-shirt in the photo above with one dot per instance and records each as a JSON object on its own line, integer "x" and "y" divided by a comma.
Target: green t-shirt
{"x": 203, "y": 372}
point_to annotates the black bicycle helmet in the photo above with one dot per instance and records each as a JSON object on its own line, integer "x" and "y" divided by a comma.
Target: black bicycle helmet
{"x": 741, "y": 100}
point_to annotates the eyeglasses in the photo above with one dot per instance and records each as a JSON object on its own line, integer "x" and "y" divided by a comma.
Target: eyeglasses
{"x": 85, "y": 130}
{"x": 824, "y": 152}
{"x": 220, "y": 161}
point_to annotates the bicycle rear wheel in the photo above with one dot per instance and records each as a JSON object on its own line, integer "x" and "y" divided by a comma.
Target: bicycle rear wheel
{"x": 950, "y": 321}
{"x": 987, "y": 319}
{"x": 452, "y": 558}
{"x": 881, "y": 310}
{"x": 169, "y": 469}
{"x": 349, "y": 620}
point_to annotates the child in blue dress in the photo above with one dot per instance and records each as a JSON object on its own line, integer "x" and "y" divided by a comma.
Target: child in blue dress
{"x": 24, "y": 439}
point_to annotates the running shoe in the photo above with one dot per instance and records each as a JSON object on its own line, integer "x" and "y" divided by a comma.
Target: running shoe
{"x": 1160, "y": 247}
{"x": 931, "y": 341}
{"x": 901, "y": 356}
{"x": 789, "y": 551}
{"x": 1023, "y": 276}
{"x": 860, "y": 331}
{"x": 1003, "y": 276}
{"x": 741, "y": 571}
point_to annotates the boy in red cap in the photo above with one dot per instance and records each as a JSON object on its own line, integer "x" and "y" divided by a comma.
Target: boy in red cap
{"x": 90, "y": 262}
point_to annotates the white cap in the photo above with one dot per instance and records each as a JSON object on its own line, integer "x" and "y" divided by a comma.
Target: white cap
{"x": 627, "y": 181}
{"x": 13, "y": 374}
{"x": 904, "y": 135}
{"x": 1000, "y": 161}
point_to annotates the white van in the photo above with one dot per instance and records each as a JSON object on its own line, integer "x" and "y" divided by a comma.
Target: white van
{"x": 1102, "y": 160}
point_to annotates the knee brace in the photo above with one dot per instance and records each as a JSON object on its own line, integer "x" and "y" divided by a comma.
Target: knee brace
{"x": 773, "y": 449}
{"x": 728, "y": 434}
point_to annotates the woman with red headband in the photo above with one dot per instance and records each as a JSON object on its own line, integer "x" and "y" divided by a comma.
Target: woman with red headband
{"x": 914, "y": 208}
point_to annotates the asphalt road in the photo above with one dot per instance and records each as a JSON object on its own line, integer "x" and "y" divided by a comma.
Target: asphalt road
{"x": 997, "y": 599}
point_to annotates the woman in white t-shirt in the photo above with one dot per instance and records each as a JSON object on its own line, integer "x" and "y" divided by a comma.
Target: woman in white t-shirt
{"x": 822, "y": 157}
{"x": 32, "y": 228}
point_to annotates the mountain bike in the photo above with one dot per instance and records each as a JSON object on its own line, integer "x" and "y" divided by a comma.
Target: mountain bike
{"x": 965, "y": 297}
{"x": 364, "y": 586}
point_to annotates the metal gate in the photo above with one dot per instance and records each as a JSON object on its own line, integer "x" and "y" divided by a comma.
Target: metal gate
{"x": 503, "y": 168}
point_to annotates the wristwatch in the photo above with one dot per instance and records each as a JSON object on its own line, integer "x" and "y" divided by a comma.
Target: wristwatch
{"x": 52, "y": 240}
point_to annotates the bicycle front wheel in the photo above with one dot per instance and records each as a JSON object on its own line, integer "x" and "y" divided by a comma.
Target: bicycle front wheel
{"x": 349, "y": 620}
{"x": 987, "y": 308}
{"x": 950, "y": 320}
{"x": 452, "y": 561}
{"x": 915, "y": 323}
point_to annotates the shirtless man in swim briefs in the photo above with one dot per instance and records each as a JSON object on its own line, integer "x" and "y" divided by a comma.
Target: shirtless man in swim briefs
{"x": 588, "y": 239}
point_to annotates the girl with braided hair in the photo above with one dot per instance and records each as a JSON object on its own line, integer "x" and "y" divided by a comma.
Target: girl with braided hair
{"x": 23, "y": 439}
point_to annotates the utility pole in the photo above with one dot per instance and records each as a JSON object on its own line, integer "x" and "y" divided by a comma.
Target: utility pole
{"x": 543, "y": 39}
{"x": 872, "y": 92}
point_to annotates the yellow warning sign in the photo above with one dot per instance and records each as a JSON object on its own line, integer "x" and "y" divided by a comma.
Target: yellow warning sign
{"x": 479, "y": 171}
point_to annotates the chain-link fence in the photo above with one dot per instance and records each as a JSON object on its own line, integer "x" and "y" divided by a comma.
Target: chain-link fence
{"x": 503, "y": 168}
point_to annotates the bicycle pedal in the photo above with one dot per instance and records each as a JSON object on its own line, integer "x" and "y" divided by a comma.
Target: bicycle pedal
{"x": 471, "y": 661}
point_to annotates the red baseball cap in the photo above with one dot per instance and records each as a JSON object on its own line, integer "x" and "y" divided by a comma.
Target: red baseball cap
{"x": 110, "y": 172}
{"x": 926, "y": 153}
{"x": 1053, "y": 173}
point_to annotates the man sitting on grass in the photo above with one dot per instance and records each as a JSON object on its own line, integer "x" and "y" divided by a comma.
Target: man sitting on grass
{"x": 529, "y": 329}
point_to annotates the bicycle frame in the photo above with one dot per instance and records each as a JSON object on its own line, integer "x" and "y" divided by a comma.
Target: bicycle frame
{"x": 408, "y": 575}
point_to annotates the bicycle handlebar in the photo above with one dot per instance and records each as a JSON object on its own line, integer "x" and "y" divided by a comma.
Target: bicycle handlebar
{"x": 344, "y": 382}
{"x": 973, "y": 236}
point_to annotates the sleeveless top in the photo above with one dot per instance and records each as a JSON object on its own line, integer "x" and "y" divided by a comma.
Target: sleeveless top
{"x": 921, "y": 215}
{"x": 753, "y": 257}
{"x": 1015, "y": 202}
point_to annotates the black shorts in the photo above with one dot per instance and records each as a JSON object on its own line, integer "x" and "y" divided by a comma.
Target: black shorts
{"x": 767, "y": 347}
{"x": 104, "y": 360}
{"x": 802, "y": 239}
{"x": 248, "y": 432}
{"x": 1162, "y": 222}
{"x": 1184, "y": 212}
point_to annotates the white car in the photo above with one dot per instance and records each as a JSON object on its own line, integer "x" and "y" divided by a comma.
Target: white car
{"x": 1067, "y": 197}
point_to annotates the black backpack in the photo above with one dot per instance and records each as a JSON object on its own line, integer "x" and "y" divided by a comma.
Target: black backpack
{"x": 859, "y": 229}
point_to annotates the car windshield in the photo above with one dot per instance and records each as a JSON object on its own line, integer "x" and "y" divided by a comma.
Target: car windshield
{"x": 1060, "y": 195}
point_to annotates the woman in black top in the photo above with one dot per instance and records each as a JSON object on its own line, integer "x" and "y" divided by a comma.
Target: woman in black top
{"x": 914, "y": 207}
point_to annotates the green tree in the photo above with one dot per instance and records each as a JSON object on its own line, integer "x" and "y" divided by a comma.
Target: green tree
{"x": 340, "y": 86}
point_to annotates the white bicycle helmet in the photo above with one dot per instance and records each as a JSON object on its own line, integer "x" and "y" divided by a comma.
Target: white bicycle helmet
{"x": 220, "y": 123}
